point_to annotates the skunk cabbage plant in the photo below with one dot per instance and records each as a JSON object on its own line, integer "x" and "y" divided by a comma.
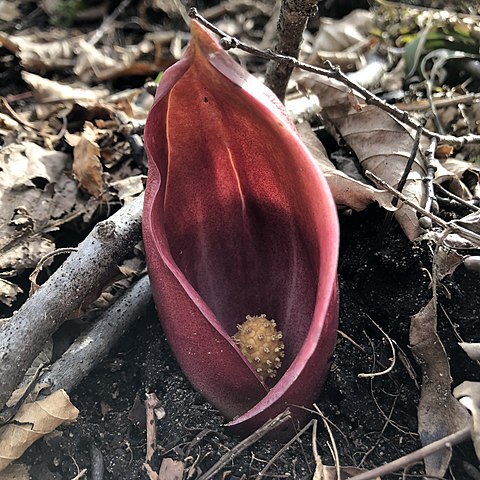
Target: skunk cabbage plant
{"x": 238, "y": 222}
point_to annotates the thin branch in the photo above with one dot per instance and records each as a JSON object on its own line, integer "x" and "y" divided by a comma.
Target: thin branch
{"x": 292, "y": 21}
{"x": 229, "y": 42}
{"x": 451, "y": 226}
{"x": 80, "y": 277}
{"x": 431, "y": 204}
{"x": 250, "y": 440}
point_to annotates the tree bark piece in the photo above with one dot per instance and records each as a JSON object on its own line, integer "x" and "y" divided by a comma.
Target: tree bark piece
{"x": 292, "y": 21}
{"x": 79, "y": 277}
{"x": 92, "y": 347}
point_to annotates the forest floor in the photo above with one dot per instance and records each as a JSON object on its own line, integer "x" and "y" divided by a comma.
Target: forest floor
{"x": 384, "y": 280}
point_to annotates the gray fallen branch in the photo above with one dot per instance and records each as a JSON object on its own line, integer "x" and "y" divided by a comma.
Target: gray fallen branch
{"x": 88, "y": 350}
{"x": 80, "y": 277}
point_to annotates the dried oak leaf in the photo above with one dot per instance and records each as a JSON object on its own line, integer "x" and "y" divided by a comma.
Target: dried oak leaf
{"x": 33, "y": 421}
{"x": 346, "y": 190}
{"x": 8, "y": 292}
{"x": 49, "y": 94}
{"x": 439, "y": 413}
{"x": 381, "y": 143}
{"x": 86, "y": 160}
{"x": 29, "y": 173}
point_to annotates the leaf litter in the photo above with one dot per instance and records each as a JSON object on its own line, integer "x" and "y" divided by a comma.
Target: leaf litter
{"x": 68, "y": 159}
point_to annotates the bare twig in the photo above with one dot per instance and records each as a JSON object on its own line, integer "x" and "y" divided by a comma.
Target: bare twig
{"x": 107, "y": 22}
{"x": 431, "y": 203}
{"x": 292, "y": 21}
{"x": 392, "y": 363}
{"x": 91, "y": 348}
{"x": 334, "y": 72}
{"x": 83, "y": 273}
{"x": 284, "y": 448}
{"x": 458, "y": 199}
{"x": 416, "y": 456}
{"x": 250, "y": 440}
{"x": 452, "y": 226}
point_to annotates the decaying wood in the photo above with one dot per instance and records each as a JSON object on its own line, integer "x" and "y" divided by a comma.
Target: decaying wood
{"x": 80, "y": 277}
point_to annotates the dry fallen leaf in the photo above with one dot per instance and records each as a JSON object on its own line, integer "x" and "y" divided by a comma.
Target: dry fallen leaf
{"x": 33, "y": 421}
{"x": 49, "y": 94}
{"x": 468, "y": 393}
{"x": 40, "y": 56}
{"x": 343, "y": 41}
{"x": 8, "y": 292}
{"x": 29, "y": 173}
{"x": 380, "y": 142}
{"x": 439, "y": 413}
{"x": 86, "y": 160}
{"x": 346, "y": 190}
{"x": 472, "y": 350}
{"x": 130, "y": 187}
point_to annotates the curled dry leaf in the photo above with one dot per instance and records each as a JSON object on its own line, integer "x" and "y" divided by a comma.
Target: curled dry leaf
{"x": 49, "y": 93}
{"x": 110, "y": 62}
{"x": 8, "y": 292}
{"x": 346, "y": 191}
{"x": 39, "y": 57}
{"x": 33, "y": 421}
{"x": 447, "y": 261}
{"x": 381, "y": 143}
{"x": 472, "y": 350}
{"x": 86, "y": 160}
{"x": 27, "y": 196}
{"x": 343, "y": 41}
{"x": 468, "y": 393}
{"x": 439, "y": 413}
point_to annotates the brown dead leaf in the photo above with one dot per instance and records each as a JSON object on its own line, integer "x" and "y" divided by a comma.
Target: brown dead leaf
{"x": 130, "y": 187}
{"x": 109, "y": 62}
{"x": 468, "y": 393}
{"x": 447, "y": 261}
{"x": 33, "y": 421}
{"x": 439, "y": 413}
{"x": 9, "y": 10}
{"x": 171, "y": 469}
{"x": 86, "y": 160}
{"x": 472, "y": 350}
{"x": 380, "y": 142}
{"x": 8, "y": 292}
{"x": 49, "y": 94}
{"x": 37, "y": 56}
{"x": 29, "y": 173}
{"x": 343, "y": 41}
{"x": 346, "y": 190}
